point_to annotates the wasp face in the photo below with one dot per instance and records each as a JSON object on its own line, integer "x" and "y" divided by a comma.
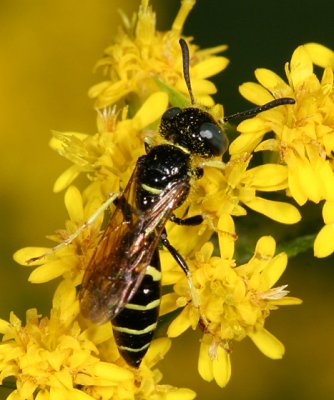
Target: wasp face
{"x": 195, "y": 130}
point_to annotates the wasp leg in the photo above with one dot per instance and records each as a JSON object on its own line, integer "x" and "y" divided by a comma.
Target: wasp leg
{"x": 180, "y": 260}
{"x": 191, "y": 221}
{"x": 74, "y": 235}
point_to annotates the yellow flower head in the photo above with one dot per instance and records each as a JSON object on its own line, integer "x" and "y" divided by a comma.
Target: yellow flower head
{"x": 238, "y": 185}
{"x": 56, "y": 358}
{"x": 52, "y": 357}
{"x": 108, "y": 157}
{"x": 141, "y": 57}
{"x": 234, "y": 301}
{"x": 303, "y": 132}
{"x": 71, "y": 259}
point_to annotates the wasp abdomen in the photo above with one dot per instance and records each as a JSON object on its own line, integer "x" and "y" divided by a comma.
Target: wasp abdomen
{"x": 134, "y": 326}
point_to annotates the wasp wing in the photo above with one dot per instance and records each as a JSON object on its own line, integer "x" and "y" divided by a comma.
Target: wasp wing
{"x": 124, "y": 250}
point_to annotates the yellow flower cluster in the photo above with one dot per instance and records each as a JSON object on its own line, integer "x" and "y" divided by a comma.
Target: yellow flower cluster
{"x": 304, "y": 139}
{"x": 65, "y": 356}
{"x": 234, "y": 301}
{"x": 136, "y": 64}
{"x": 55, "y": 358}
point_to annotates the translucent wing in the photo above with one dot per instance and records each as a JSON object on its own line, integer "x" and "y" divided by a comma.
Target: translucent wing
{"x": 124, "y": 251}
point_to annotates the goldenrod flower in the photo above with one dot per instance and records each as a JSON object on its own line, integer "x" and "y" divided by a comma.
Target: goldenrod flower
{"x": 141, "y": 57}
{"x": 109, "y": 156}
{"x": 55, "y": 358}
{"x": 69, "y": 261}
{"x": 227, "y": 191}
{"x": 236, "y": 185}
{"x": 234, "y": 301}
{"x": 303, "y": 132}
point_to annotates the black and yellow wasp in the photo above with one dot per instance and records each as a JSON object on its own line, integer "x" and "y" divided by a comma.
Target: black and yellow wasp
{"x": 122, "y": 280}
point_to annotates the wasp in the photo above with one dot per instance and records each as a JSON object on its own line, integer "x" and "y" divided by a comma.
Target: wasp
{"x": 122, "y": 280}
{"x": 121, "y": 283}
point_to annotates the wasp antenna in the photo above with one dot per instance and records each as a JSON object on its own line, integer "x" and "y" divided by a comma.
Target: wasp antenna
{"x": 256, "y": 110}
{"x": 186, "y": 75}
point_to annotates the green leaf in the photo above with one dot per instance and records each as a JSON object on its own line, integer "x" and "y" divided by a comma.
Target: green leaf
{"x": 176, "y": 98}
{"x": 297, "y": 246}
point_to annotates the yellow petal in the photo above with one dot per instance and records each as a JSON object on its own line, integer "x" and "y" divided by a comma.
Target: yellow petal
{"x": 57, "y": 393}
{"x": 199, "y": 86}
{"x": 268, "y": 145}
{"x": 266, "y": 247}
{"x": 308, "y": 180}
{"x": 296, "y": 187}
{"x": 23, "y": 256}
{"x": 157, "y": 350}
{"x": 276, "y": 210}
{"x": 245, "y": 143}
{"x": 41, "y": 395}
{"x": 66, "y": 178}
{"x": 323, "y": 173}
{"x": 328, "y": 212}
{"x": 73, "y": 203}
{"x": 180, "y": 324}
{"x": 98, "y": 333}
{"x": 324, "y": 243}
{"x": 179, "y": 394}
{"x": 60, "y": 138}
{"x": 254, "y": 126}
{"x": 110, "y": 92}
{"x": 326, "y": 177}
{"x": 271, "y": 81}
{"x": 301, "y": 67}
{"x": 320, "y": 54}
{"x": 48, "y": 271}
{"x": 274, "y": 270}
{"x": 221, "y": 367}
{"x": 268, "y": 344}
{"x": 209, "y": 67}
{"x": 205, "y": 101}
{"x": 63, "y": 376}
{"x": 65, "y": 295}
{"x": 151, "y": 110}
{"x": 95, "y": 90}
{"x": 205, "y": 363}
{"x": 255, "y": 93}
{"x": 168, "y": 303}
{"x": 27, "y": 388}
{"x": 268, "y": 177}
{"x": 109, "y": 371}
{"x": 328, "y": 142}
{"x": 77, "y": 394}
{"x": 287, "y": 301}
{"x": 226, "y": 234}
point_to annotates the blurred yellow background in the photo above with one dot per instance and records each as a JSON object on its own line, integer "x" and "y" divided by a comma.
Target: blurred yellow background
{"x": 48, "y": 50}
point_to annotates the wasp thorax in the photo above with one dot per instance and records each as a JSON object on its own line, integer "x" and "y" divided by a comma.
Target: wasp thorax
{"x": 194, "y": 129}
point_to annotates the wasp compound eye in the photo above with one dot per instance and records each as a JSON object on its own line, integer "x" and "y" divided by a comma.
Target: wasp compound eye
{"x": 214, "y": 139}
